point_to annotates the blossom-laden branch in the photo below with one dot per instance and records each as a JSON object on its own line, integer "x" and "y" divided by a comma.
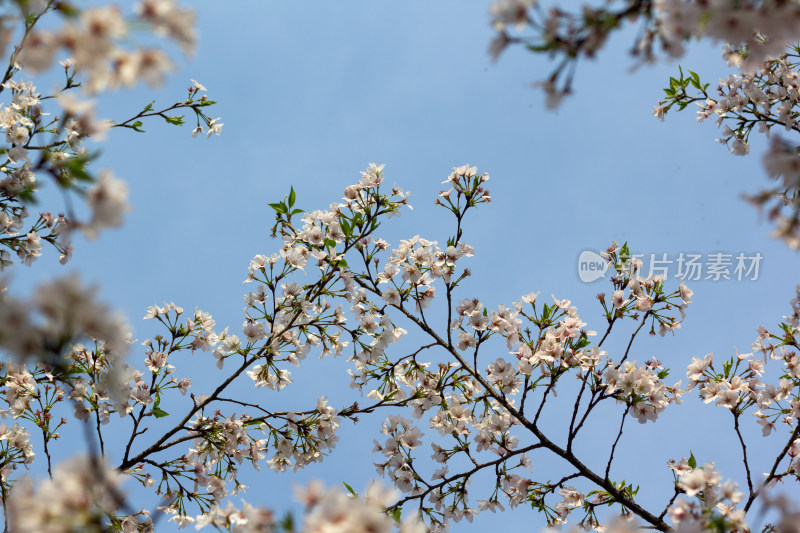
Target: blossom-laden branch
{"x": 280, "y": 328}
{"x": 335, "y": 287}
{"x": 764, "y": 28}
{"x": 486, "y": 410}
{"x": 765, "y": 99}
{"x": 412, "y": 271}
{"x": 45, "y": 135}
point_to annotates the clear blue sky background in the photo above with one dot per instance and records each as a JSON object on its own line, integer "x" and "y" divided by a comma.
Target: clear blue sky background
{"x": 310, "y": 93}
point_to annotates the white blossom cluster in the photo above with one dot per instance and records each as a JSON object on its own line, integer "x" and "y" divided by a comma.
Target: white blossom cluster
{"x": 483, "y": 407}
{"x": 15, "y": 443}
{"x": 761, "y": 28}
{"x": 642, "y": 388}
{"x": 93, "y": 44}
{"x": 45, "y": 134}
{"x": 61, "y": 312}
{"x": 80, "y": 494}
{"x": 413, "y": 271}
{"x": 764, "y": 28}
{"x": 710, "y": 499}
{"x": 739, "y": 385}
{"x": 763, "y": 97}
{"x": 481, "y": 383}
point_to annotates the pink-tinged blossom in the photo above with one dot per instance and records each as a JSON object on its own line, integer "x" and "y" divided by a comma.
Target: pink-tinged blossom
{"x": 30, "y": 249}
{"x": 465, "y": 341}
{"x": 697, "y": 368}
{"x": 425, "y": 297}
{"x": 739, "y": 147}
{"x": 644, "y": 303}
{"x": 686, "y": 293}
{"x": 391, "y": 296}
{"x": 618, "y": 299}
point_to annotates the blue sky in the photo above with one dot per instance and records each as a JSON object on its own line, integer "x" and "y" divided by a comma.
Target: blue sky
{"x": 312, "y": 93}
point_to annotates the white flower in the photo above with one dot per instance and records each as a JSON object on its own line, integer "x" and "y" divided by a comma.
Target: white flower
{"x": 108, "y": 199}
{"x": 510, "y": 12}
{"x": 214, "y": 127}
{"x": 739, "y": 147}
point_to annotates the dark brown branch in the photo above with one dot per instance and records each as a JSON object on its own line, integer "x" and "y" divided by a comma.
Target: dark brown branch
{"x": 618, "y": 495}
{"x": 772, "y": 473}
{"x": 619, "y": 435}
{"x": 736, "y": 415}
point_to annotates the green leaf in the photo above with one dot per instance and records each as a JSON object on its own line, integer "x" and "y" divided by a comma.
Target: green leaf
{"x": 583, "y": 342}
{"x": 296, "y": 211}
{"x": 137, "y": 126}
{"x": 624, "y": 253}
{"x": 624, "y": 257}
{"x": 148, "y": 107}
{"x": 692, "y": 461}
{"x": 664, "y": 373}
{"x": 177, "y": 121}
{"x": 350, "y": 489}
{"x": 695, "y": 80}
{"x": 539, "y": 48}
{"x": 159, "y": 413}
{"x": 292, "y": 197}
{"x": 278, "y": 207}
{"x": 288, "y": 522}
{"x": 157, "y": 400}
{"x": 76, "y": 167}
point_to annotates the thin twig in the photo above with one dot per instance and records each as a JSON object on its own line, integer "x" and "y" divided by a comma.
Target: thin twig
{"x": 619, "y": 434}
{"x": 744, "y": 451}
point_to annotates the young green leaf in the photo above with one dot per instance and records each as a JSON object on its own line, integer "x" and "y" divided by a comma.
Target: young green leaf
{"x": 350, "y": 489}
{"x": 177, "y": 121}
{"x": 279, "y": 207}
